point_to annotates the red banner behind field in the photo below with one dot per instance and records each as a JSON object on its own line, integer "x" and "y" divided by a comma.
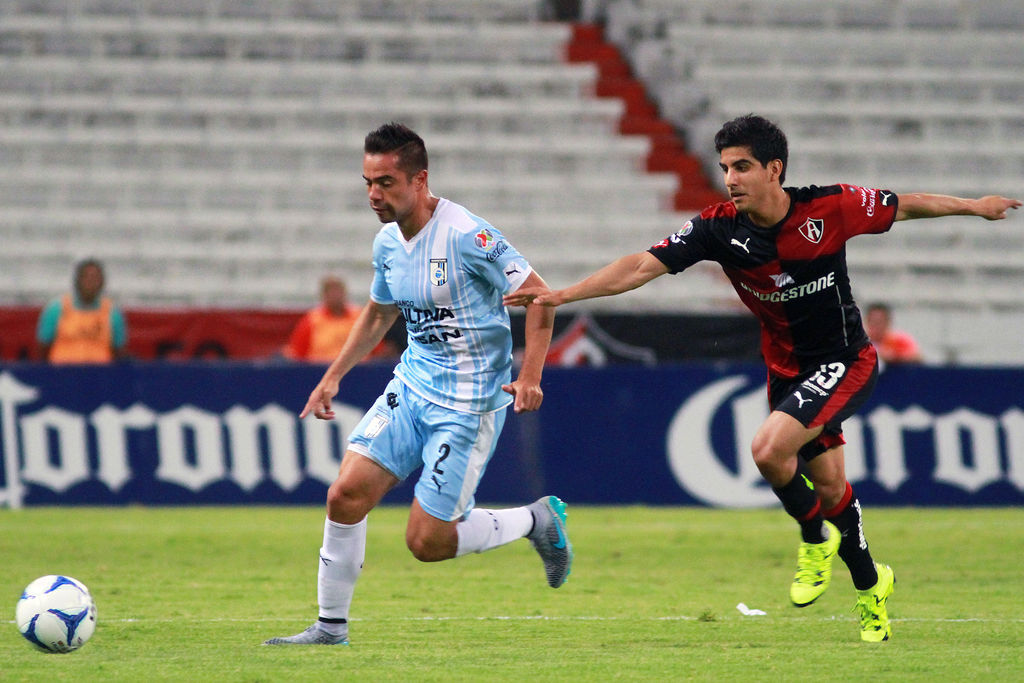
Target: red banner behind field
{"x": 244, "y": 334}
{"x": 152, "y": 334}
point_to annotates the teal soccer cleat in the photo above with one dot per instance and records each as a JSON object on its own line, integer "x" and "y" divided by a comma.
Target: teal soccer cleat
{"x": 550, "y": 539}
{"x": 314, "y": 635}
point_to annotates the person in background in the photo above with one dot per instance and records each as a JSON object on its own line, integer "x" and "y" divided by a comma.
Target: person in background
{"x": 82, "y": 326}
{"x": 894, "y": 346}
{"x": 322, "y": 331}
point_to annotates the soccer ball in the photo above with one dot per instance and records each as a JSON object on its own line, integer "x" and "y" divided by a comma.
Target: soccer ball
{"x": 56, "y": 614}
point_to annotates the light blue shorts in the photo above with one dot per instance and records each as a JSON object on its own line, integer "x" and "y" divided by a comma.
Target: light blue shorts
{"x": 403, "y": 430}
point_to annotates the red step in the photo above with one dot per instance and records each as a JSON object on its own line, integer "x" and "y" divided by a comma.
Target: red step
{"x": 668, "y": 151}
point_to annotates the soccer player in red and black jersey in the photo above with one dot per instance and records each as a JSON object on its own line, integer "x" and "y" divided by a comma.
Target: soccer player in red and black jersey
{"x": 784, "y": 251}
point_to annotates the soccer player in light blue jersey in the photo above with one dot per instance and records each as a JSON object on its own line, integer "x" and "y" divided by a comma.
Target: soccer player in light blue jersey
{"x": 444, "y": 271}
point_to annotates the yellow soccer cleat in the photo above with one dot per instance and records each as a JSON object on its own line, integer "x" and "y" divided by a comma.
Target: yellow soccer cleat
{"x": 814, "y": 568}
{"x": 874, "y": 620}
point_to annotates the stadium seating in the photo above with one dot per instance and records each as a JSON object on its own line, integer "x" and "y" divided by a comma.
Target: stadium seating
{"x": 913, "y": 95}
{"x": 210, "y": 152}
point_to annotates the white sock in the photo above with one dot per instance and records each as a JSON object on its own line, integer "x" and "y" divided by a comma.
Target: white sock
{"x": 341, "y": 560}
{"x": 486, "y": 529}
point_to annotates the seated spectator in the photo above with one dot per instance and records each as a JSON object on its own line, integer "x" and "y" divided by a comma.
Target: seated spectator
{"x": 893, "y": 346}
{"x": 322, "y": 331}
{"x": 82, "y": 326}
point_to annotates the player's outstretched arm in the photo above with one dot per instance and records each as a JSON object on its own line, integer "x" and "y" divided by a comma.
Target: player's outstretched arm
{"x": 628, "y": 272}
{"x": 920, "y": 205}
{"x": 370, "y": 327}
{"x": 540, "y": 321}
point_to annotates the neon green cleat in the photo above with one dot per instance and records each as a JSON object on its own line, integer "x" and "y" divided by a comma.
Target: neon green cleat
{"x": 874, "y": 620}
{"x": 814, "y": 568}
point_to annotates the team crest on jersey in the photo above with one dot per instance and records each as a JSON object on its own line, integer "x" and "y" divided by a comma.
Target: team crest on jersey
{"x": 438, "y": 271}
{"x": 485, "y": 239}
{"x": 813, "y": 229}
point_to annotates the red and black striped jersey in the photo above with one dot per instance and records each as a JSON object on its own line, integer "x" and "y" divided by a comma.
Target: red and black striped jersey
{"x": 793, "y": 275}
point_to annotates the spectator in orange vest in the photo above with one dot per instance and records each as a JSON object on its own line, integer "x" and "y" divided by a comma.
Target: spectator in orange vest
{"x": 893, "y": 346}
{"x": 322, "y": 331}
{"x": 82, "y": 326}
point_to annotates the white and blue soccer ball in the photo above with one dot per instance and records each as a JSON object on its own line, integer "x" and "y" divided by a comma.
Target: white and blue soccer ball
{"x": 56, "y": 614}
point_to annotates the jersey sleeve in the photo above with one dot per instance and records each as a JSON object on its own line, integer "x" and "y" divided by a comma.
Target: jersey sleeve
{"x": 46, "y": 331}
{"x": 683, "y": 248}
{"x": 866, "y": 210}
{"x": 118, "y": 328}
{"x": 489, "y": 255}
{"x": 380, "y": 292}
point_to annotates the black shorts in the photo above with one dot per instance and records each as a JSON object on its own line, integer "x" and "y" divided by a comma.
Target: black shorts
{"x": 826, "y": 396}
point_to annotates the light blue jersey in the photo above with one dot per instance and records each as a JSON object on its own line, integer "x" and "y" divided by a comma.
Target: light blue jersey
{"x": 448, "y": 282}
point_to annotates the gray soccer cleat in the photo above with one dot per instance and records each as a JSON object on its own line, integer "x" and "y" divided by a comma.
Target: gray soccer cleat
{"x": 550, "y": 539}
{"x": 314, "y": 635}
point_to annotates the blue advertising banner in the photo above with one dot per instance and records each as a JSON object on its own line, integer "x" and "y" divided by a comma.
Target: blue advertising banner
{"x": 203, "y": 433}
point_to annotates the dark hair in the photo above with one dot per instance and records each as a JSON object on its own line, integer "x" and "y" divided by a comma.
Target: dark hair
{"x": 403, "y": 141}
{"x": 766, "y": 141}
{"x": 879, "y": 306}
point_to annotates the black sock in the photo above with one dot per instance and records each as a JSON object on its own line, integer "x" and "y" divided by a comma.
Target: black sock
{"x": 854, "y": 546}
{"x": 801, "y": 503}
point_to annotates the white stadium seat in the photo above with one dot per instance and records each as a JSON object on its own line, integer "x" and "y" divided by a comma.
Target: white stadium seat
{"x": 209, "y": 150}
{"x": 915, "y": 95}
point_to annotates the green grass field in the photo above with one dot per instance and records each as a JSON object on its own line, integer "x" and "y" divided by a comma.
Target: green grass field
{"x": 188, "y": 594}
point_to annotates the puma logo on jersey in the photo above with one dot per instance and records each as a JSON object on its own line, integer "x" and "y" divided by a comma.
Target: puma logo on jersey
{"x": 801, "y": 399}
{"x": 782, "y": 279}
{"x": 742, "y": 245}
{"x": 886, "y": 197}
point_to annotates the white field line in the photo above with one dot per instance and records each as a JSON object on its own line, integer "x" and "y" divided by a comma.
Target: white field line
{"x": 570, "y": 618}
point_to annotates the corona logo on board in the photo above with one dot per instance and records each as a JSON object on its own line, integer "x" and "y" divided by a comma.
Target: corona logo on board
{"x": 968, "y": 446}
{"x": 195, "y": 448}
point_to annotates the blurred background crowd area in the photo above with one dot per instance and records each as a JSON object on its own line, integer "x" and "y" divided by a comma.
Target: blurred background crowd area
{"x": 208, "y": 152}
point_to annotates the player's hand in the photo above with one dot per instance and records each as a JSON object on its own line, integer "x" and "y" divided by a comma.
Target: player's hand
{"x": 528, "y": 395}
{"x": 525, "y": 296}
{"x": 994, "y": 208}
{"x": 319, "y": 403}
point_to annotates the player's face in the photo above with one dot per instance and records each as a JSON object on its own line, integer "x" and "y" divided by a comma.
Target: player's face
{"x": 90, "y": 283}
{"x": 877, "y": 324}
{"x": 334, "y": 296}
{"x": 748, "y": 181}
{"x": 393, "y": 195}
